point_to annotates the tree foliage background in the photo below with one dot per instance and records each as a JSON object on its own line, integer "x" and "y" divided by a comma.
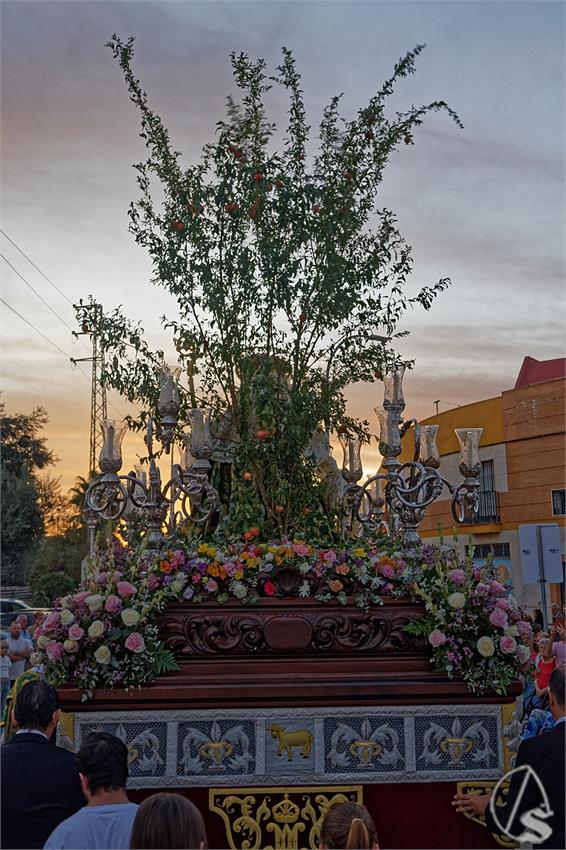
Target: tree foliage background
{"x": 285, "y": 272}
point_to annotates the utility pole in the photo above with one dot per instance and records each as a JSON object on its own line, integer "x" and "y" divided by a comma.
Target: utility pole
{"x": 98, "y": 408}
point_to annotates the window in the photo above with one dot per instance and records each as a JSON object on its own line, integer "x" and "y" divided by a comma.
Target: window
{"x": 498, "y": 550}
{"x": 488, "y": 503}
{"x": 558, "y": 502}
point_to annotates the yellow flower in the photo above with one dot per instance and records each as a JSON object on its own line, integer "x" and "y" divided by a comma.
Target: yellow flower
{"x": 211, "y": 551}
{"x": 239, "y": 574}
{"x": 253, "y": 562}
{"x": 202, "y": 549}
{"x": 360, "y": 552}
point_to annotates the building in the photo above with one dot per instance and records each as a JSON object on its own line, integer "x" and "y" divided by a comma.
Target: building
{"x": 522, "y": 451}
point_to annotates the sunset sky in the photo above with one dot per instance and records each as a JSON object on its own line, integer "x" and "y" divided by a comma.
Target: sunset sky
{"x": 483, "y": 205}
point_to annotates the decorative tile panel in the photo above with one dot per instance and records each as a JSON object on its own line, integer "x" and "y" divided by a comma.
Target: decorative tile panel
{"x": 296, "y": 746}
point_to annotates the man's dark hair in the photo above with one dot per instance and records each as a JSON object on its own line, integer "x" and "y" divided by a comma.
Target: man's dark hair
{"x": 557, "y": 685}
{"x": 103, "y": 759}
{"x": 35, "y": 705}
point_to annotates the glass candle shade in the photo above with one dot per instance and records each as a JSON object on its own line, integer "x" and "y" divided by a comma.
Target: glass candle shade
{"x": 469, "y": 439}
{"x": 110, "y": 458}
{"x": 168, "y": 392}
{"x": 199, "y": 420}
{"x": 389, "y": 435}
{"x": 429, "y": 455}
{"x": 351, "y": 457}
{"x": 393, "y": 383}
{"x": 187, "y": 460}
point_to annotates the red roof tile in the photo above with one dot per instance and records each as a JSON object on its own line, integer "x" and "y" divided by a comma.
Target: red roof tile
{"x": 537, "y": 371}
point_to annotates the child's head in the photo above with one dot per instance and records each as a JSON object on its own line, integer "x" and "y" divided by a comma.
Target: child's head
{"x": 3, "y": 647}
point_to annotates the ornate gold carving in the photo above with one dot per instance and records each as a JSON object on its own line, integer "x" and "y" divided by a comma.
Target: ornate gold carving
{"x": 277, "y": 818}
{"x": 483, "y": 787}
{"x": 66, "y": 730}
{"x": 287, "y": 740}
{"x": 511, "y": 733}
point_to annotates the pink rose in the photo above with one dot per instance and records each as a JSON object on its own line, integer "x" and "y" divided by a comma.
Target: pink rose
{"x": 503, "y": 604}
{"x": 388, "y": 571}
{"x": 329, "y": 556}
{"x": 55, "y": 650}
{"x": 524, "y": 627}
{"x": 457, "y": 576}
{"x": 177, "y": 559}
{"x": 113, "y": 604}
{"x": 211, "y": 585}
{"x": 75, "y": 632}
{"x": 116, "y": 576}
{"x": 437, "y": 638}
{"x": 342, "y": 569}
{"x": 135, "y": 642}
{"x": 102, "y": 578}
{"x": 507, "y": 644}
{"x": 496, "y": 588}
{"x": 152, "y": 581}
{"x": 230, "y": 568}
{"x": 498, "y": 618}
{"x": 301, "y": 549}
{"x": 80, "y": 597}
{"x": 52, "y": 621}
{"x": 125, "y": 589}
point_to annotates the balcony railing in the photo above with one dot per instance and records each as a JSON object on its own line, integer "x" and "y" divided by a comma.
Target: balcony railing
{"x": 488, "y": 508}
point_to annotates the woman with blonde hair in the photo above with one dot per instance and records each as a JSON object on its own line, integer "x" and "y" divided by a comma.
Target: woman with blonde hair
{"x": 348, "y": 826}
{"x": 168, "y": 822}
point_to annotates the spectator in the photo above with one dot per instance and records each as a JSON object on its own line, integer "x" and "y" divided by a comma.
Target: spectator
{"x": 545, "y": 755}
{"x": 40, "y": 782}
{"x": 19, "y": 650}
{"x": 349, "y": 826}
{"x": 106, "y": 820}
{"x": 5, "y": 667}
{"x": 554, "y": 611}
{"x": 537, "y": 616}
{"x": 168, "y": 822}
{"x": 38, "y": 618}
{"x": 23, "y": 620}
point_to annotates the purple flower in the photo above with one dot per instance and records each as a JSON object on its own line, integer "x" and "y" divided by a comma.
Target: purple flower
{"x": 457, "y": 576}
{"x": 189, "y": 593}
{"x": 498, "y": 618}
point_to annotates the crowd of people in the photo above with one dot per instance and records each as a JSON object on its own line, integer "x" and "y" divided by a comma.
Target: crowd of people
{"x": 55, "y": 799}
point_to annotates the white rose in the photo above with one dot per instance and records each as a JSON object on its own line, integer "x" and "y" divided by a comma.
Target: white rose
{"x": 512, "y": 631}
{"x": 66, "y": 601}
{"x": 70, "y": 645}
{"x": 176, "y": 587}
{"x": 457, "y": 600}
{"x": 102, "y": 654}
{"x": 96, "y": 629}
{"x": 523, "y": 653}
{"x": 94, "y": 602}
{"x": 67, "y": 617}
{"x": 485, "y": 646}
{"x": 42, "y": 641}
{"x": 130, "y": 616}
{"x": 238, "y": 589}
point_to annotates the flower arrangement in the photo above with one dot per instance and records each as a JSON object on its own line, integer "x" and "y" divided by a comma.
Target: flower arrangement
{"x": 474, "y": 626}
{"x": 105, "y": 635}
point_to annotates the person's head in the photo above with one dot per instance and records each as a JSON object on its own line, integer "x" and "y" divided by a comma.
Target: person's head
{"x": 168, "y": 821}
{"x": 537, "y": 628}
{"x": 349, "y": 826}
{"x": 557, "y": 692}
{"x": 15, "y": 629}
{"x": 38, "y": 618}
{"x": 22, "y": 619}
{"x": 103, "y": 764}
{"x": 37, "y": 707}
{"x": 555, "y": 609}
{"x": 542, "y": 640}
{"x": 3, "y": 647}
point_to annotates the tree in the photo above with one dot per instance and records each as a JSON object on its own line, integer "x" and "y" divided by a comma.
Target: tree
{"x": 24, "y": 453}
{"x": 287, "y": 276}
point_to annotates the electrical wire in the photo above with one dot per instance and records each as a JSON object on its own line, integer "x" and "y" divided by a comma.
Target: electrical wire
{"x": 48, "y": 279}
{"x": 55, "y": 346}
{"x": 34, "y": 290}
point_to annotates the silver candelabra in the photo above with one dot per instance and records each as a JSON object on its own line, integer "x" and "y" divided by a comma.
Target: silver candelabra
{"x": 395, "y": 500}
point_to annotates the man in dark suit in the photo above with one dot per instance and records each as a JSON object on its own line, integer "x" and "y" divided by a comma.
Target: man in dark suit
{"x": 527, "y": 815}
{"x": 40, "y": 782}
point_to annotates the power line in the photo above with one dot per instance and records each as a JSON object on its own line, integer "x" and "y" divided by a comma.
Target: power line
{"x": 54, "y": 344}
{"x": 34, "y": 290}
{"x": 48, "y": 279}
{"x": 46, "y": 338}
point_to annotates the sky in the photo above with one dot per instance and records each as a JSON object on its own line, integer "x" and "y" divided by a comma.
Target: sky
{"x": 483, "y": 205}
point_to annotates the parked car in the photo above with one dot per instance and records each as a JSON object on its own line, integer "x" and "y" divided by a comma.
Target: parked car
{"x": 10, "y": 608}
